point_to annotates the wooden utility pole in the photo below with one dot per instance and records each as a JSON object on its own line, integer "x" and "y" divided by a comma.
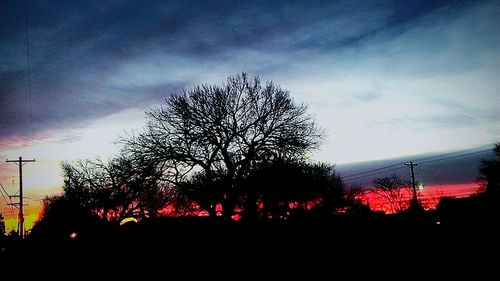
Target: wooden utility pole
{"x": 21, "y": 163}
{"x": 414, "y": 201}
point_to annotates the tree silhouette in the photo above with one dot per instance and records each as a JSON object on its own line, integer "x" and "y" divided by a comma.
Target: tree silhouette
{"x": 353, "y": 193}
{"x": 281, "y": 188}
{"x": 224, "y": 131}
{"x": 481, "y": 210}
{"x": 122, "y": 187}
{"x": 490, "y": 173}
{"x": 394, "y": 190}
{"x": 62, "y": 216}
{"x": 2, "y": 225}
{"x": 353, "y": 200}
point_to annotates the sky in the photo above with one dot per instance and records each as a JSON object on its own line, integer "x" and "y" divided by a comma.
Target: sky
{"x": 383, "y": 78}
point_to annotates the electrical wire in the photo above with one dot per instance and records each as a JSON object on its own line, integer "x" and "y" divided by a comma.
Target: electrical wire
{"x": 373, "y": 174}
{"x": 373, "y": 170}
{"x": 4, "y": 198}
{"x": 29, "y": 64}
{"x": 421, "y": 161}
{"x": 453, "y": 156}
{"x": 32, "y": 199}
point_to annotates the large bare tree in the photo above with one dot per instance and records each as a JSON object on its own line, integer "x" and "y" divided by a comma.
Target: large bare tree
{"x": 225, "y": 130}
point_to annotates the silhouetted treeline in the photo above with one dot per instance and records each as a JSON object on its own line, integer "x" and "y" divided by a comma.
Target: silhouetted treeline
{"x": 217, "y": 135}
{"x": 234, "y": 152}
{"x": 122, "y": 187}
{"x": 237, "y": 150}
{"x": 480, "y": 210}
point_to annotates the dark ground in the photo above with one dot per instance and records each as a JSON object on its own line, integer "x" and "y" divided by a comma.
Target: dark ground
{"x": 387, "y": 244}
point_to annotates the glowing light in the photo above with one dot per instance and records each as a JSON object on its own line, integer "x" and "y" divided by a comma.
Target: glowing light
{"x": 73, "y": 235}
{"x": 420, "y": 186}
{"x": 130, "y": 219}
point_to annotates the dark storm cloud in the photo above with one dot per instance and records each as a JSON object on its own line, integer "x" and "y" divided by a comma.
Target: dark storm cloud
{"x": 79, "y": 49}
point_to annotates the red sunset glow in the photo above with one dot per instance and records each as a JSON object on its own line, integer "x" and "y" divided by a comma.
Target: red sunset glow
{"x": 429, "y": 197}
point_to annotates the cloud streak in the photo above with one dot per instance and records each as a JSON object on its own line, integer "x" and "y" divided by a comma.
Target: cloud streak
{"x": 361, "y": 62}
{"x": 384, "y": 78}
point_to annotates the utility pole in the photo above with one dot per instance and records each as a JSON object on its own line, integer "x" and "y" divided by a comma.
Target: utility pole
{"x": 21, "y": 163}
{"x": 414, "y": 201}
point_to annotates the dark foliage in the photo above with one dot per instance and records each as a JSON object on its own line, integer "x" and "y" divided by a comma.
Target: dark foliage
{"x": 61, "y": 216}
{"x": 282, "y": 188}
{"x": 481, "y": 210}
{"x": 122, "y": 187}
{"x": 2, "y": 225}
{"x": 490, "y": 173}
{"x": 224, "y": 132}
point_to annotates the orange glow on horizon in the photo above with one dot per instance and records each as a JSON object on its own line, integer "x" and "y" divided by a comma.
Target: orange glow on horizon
{"x": 31, "y": 213}
{"x": 429, "y": 198}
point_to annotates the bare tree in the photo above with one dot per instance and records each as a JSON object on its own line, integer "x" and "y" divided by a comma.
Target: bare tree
{"x": 395, "y": 191}
{"x": 353, "y": 194}
{"x": 223, "y": 131}
{"x": 118, "y": 188}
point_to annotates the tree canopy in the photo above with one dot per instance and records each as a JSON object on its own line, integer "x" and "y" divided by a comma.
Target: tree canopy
{"x": 490, "y": 173}
{"x": 2, "y": 225}
{"x": 122, "y": 187}
{"x": 223, "y": 131}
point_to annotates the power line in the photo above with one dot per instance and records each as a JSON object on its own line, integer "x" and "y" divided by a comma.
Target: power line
{"x": 3, "y": 196}
{"x": 373, "y": 174}
{"x": 444, "y": 170}
{"x": 29, "y": 63}
{"x": 356, "y": 175}
{"x": 374, "y": 170}
{"x": 425, "y": 158}
{"x": 21, "y": 163}
{"x": 7, "y": 202}
{"x": 32, "y": 199}
{"x": 454, "y": 156}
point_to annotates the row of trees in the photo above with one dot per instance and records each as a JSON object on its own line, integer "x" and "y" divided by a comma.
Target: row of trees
{"x": 238, "y": 147}
{"x": 121, "y": 187}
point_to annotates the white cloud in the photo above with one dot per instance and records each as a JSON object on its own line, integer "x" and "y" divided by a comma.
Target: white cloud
{"x": 436, "y": 60}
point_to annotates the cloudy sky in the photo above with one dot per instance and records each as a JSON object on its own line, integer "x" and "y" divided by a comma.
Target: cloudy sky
{"x": 384, "y": 78}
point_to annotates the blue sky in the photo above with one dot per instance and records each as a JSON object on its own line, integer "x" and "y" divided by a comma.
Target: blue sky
{"x": 384, "y": 78}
